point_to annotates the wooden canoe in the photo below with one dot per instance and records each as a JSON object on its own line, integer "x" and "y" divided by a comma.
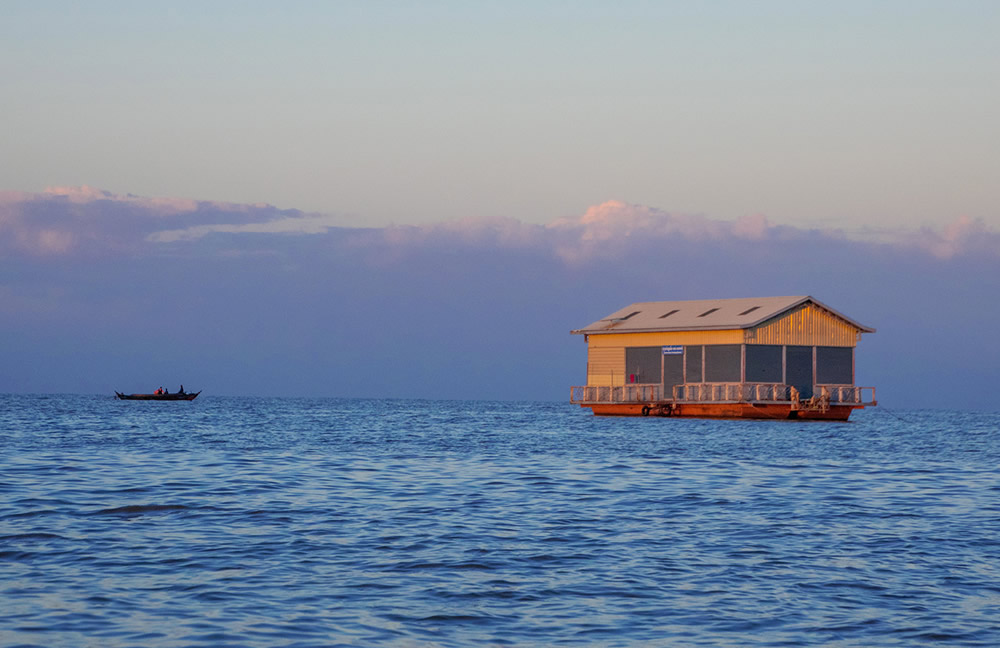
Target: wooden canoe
{"x": 186, "y": 396}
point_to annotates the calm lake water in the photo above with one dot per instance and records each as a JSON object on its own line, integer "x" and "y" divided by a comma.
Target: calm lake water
{"x": 285, "y": 522}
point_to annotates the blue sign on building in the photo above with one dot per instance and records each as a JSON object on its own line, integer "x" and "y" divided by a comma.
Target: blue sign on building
{"x": 675, "y": 349}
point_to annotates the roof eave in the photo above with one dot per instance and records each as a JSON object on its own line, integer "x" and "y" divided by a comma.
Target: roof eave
{"x": 657, "y": 330}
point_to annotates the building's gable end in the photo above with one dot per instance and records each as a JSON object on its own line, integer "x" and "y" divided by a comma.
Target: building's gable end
{"x": 807, "y": 324}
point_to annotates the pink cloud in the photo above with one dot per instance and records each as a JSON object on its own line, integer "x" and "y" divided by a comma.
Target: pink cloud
{"x": 961, "y": 235}
{"x": 304, "y": 224}
{"x": 754, "y": 227}
{"x": 19, "y": 233}
{"x": 602, "y": 231}
{"x": 605, "y": 230}
{"x": 503, "y": 232}
{"x": 81, "y": 194}
{"x": 67, "y": 220}
{"x": 158, "y": 206}
{"x": 8, "y": 198}
{"x": 51, "y": 242}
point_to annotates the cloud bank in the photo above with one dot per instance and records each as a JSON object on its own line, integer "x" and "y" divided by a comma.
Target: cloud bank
{"x": 103, "y": 291}
{"x": 69, "y": 220}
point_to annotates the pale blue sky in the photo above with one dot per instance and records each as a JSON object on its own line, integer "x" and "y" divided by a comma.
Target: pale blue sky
{"x": 847, "y": 114}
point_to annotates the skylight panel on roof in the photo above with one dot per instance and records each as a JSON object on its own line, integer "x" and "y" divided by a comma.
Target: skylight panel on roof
{"x": 749, "y": 310}
{"x": 632, "y": 314}
{"x": 708, "y": 312}
{"x": 676, "y": 310}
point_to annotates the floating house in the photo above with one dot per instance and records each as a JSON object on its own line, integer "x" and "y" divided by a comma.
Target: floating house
{"x": 771, "y": 357}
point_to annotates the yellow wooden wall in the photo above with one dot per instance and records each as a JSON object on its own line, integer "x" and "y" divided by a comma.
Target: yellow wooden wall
{"x": 733, "y": 336}
{"x": 606, "y": 353}
{"x": 807, "y": 325}
{"x": 605, "y": 366}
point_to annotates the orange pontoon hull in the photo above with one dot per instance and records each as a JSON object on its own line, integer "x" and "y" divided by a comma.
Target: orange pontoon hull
{"x": 724, "y": 410}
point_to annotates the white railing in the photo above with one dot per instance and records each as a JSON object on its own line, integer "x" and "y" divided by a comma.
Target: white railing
{"x": 732, "y": 392}
{"x": 619, "y": 394}
{"x": 848, "y": 394}
{"x": 722, "y": 392}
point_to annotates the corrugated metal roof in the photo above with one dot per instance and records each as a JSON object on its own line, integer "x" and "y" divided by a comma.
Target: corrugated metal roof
{"x": 703, "y": 314}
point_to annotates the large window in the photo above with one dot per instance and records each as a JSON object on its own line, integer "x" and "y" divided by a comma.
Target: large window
{"x": 673, "y": 371}
{"x": 764, "y": 363}
{"x": 835, "y": 365}
{"x": 692, "y": 362}
{"x": 642, "y": 364}
{"x": 723, "y": 363}
{"x": 799, "y": 369}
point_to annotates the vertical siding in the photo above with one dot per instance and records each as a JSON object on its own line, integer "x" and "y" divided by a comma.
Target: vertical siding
{"x": 807, "y": 325}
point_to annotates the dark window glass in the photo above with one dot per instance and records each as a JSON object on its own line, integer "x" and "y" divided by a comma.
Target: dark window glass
{"x": 799, "y": 369}
{"x": 692, "y": 356}
{"x": 835, "y": 365}
{"x": 673, "y": 373}
{"x": 642, "y": 364}
{"x": 722, "y": 363}
{"x": 764, "y": 363}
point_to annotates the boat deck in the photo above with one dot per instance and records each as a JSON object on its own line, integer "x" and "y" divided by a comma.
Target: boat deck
{"x": 725, "y": 400}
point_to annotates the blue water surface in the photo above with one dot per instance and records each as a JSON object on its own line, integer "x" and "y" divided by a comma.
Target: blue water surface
{"x": 298, "y": 522}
